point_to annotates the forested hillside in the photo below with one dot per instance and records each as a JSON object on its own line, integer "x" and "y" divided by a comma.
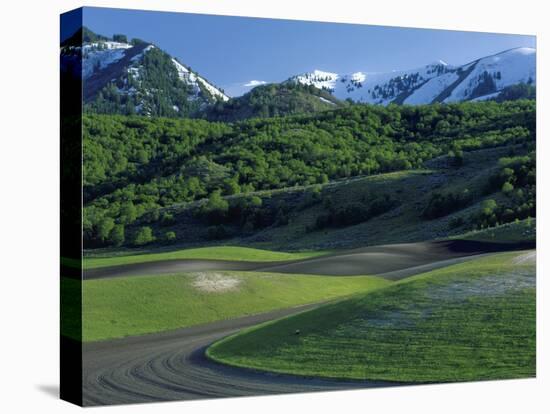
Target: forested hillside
{"x": 137, "y": 169}
{"x": 273, "y": 100}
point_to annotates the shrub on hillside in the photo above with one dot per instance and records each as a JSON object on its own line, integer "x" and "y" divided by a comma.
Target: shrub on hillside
{"x": 443, "y": 204}
{"x": 355, "y": 213}
{"x": 144, "y": 236}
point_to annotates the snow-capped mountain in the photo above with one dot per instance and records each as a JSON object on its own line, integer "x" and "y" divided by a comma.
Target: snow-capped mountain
{"x": 481, "y": 79}
{"x": 136, "y": 77}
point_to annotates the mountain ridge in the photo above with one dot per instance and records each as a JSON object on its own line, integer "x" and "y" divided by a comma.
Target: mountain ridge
{"x": 435, "y": 82}
{"x": 136, "y": 77}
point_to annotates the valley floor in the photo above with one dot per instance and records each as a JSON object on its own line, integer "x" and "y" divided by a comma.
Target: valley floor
{"x": 468, "y": 321}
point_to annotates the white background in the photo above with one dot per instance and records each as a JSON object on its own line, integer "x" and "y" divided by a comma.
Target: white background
{"x": 29, "y": 193}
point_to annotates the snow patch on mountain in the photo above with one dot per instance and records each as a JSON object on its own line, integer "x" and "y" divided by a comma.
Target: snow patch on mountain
{"x": 213, "y": 90}
{"x": 497, "y": 72}
{"x": 370, "y": 87}
{"x": 107, "y": 63}
{"x": 437, "y": 81}
{"x": 139, "y": 56}
{"x": 193, "y": 80}
{"x": 319, "y": 79}
{"x": 326, "y": 101}
{"x": 486, "y": 97}
{"x": 431, "y": 89}
{"x": 97, "y": 56}
{"x": 358, "y": 77}
{"x": 253, "y": 83}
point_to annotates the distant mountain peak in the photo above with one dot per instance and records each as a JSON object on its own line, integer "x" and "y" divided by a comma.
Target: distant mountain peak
{"x": 135, "y": 76}
{"x": 435, "y": 82}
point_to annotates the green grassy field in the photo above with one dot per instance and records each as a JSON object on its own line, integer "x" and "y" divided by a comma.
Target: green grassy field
{"x": 216, "y": 252}
{"x": 120, "y": 307}
{"x": 471, "y": 321}
{"x": 520, "y": 231}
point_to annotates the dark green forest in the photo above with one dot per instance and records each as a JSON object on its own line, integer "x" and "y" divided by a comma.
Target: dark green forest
{"x": 272, "y": 100}
{"x": 136, "y": 168}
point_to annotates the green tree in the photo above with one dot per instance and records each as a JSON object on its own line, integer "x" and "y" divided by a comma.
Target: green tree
{"x": 117, "y": 235}
{"x": 170, "y": 236}
{"x": 216, "y": 208}
{"x": 167, "y": 218}
{"x": 507, "y": 174}
{"x": 120, "y": 38}
{"x": 507, "y": 188}
{"x": 255, "y": 202}
{"x": 142, "y": 157}
{"x": 488, "y": 207}
{"x": 457, "y": 157}
{"x": 104, "y": 228}
{"x": 231, "y": 186}
{"x": 143, "y": 236}
{"x": 128, "y": 213}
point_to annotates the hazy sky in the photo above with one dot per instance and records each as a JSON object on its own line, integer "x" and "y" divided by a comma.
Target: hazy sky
{"x": 233, "y": 51}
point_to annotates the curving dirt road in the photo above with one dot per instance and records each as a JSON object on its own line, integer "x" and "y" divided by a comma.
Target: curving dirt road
{"x": 172, "y": 365}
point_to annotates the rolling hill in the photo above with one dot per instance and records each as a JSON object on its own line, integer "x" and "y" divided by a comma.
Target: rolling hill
{"x": 359, "y": 175}
{"x": 470, "y": 321}
{"x": 272, "y": 100}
